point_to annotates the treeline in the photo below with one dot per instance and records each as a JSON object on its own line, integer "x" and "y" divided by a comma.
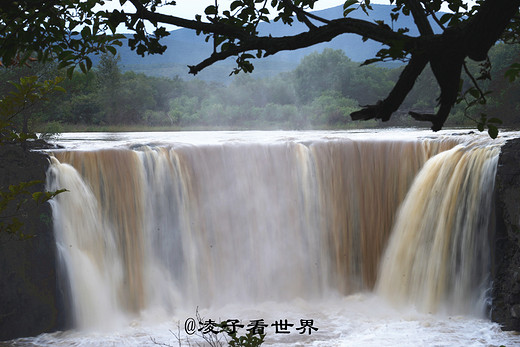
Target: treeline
{"x": 320, "y": 93}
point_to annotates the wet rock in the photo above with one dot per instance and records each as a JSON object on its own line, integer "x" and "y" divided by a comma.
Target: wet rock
{"x": 515, "y": 311}
{"x": 29, "y": 299}
{"x": 506, "y": 266}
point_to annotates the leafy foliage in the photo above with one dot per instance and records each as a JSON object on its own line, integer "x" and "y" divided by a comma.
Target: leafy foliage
{"x": 28, "y": 91}
{"x": 250, "y": 339}
{"x": 14, "y": 117}
{"x": 68, "y": 31}
{"x": 513, "y": 72}
{"x": 13, "y": 199}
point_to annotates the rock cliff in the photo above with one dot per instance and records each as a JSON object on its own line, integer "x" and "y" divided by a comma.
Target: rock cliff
{"x": 30, "y": 303}
{"x": 506, "y": 267}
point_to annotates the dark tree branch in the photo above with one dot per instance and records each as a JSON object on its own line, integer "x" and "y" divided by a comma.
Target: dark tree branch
{"x": 432, "y": 13}
{"x": 473, "y": 80}
{"x": 486, "y": 27}
{"x": 446, "y": 53}
{"x": 318, "y": 18}
{"x": 273, "y": 45}
{"x": 379, "y": 33}
{"x": 216, "y": 28}
{"x": 384, "y": 109}
{"x": 446, "y": 66}
{"x": 472, "y": 40}
{"x": 420, "y": 18}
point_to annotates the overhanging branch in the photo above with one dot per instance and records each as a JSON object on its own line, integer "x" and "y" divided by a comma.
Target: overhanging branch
{"x": 333, "y": 28}
{"x": 445, "y": 52}
{"x": 216, "y": 28}
{"x": 420, "y": 18}
{"x": 272, "y": 45}
{"x": 384, "y": 109}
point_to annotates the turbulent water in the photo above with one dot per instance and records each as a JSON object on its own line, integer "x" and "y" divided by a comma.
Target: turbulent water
{"x": 354, "y": 238}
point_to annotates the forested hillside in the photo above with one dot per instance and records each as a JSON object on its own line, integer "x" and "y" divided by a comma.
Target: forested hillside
{"x": 320, "y": 92}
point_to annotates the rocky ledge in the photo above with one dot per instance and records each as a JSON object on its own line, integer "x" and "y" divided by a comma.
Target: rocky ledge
{"x": 506, "y": 267}
{"x": 29, "y": 297}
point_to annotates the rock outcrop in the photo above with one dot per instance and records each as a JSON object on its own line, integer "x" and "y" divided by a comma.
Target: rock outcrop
{"x": 30, "y": 303}
{"x": 506, "y": 267}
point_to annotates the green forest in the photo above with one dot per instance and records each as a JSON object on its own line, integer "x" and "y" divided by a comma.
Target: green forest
{"x": 320, "y": 93}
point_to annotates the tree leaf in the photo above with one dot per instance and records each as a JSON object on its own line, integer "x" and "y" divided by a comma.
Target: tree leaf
{"x": 210, "y": 10}
{"x": 88, "y": 63}
{"x": 492, "y": 131}
{"x": 70, "y": 71}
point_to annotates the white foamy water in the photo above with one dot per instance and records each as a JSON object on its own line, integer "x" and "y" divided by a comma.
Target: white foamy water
{"x": 97, "y": 140}
{"x": 275, "y": 226}
{"x": 356, "y": 320}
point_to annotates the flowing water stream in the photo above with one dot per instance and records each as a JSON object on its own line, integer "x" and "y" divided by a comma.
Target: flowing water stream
{"x": 354, "y": 238}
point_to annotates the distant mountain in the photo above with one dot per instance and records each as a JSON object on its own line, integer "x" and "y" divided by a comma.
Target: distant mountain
{"x": 186, "y": 48}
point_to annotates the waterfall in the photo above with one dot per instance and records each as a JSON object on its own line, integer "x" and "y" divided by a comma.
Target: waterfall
{"x": 181, "y": 226}
{"x": 86, "y": 248}
{"x": 438, "y": 256}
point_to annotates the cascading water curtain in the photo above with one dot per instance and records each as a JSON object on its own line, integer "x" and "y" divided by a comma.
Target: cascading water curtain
{"x": 187, "y": 226}
{"x": 438, "y": 256}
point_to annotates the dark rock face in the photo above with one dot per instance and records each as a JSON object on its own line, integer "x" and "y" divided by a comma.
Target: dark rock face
{"x": 29, "y": 300}
{"x": 506, "y": 267}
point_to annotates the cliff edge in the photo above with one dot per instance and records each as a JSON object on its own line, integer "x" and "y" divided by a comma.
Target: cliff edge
{"x": 29, "y": 296}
